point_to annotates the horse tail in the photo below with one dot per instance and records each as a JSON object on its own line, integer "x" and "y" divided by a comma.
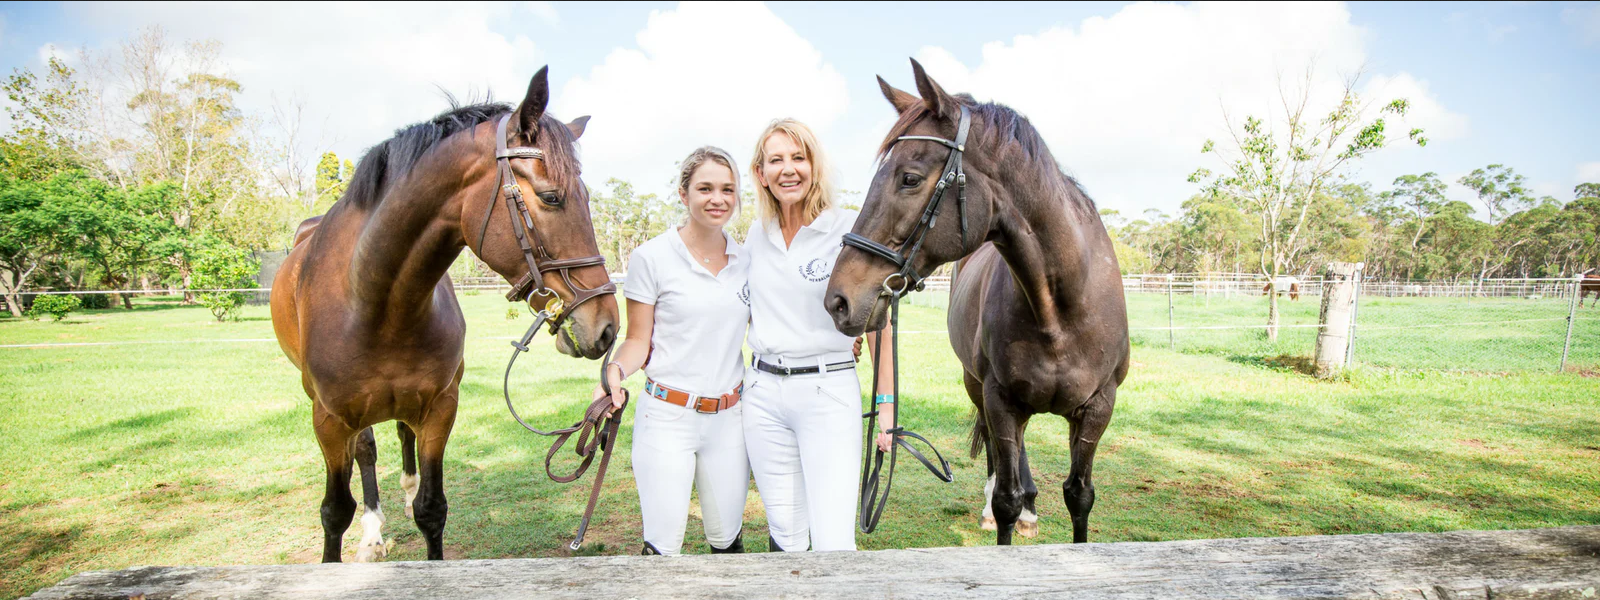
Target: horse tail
{"x": 980, "y": 434}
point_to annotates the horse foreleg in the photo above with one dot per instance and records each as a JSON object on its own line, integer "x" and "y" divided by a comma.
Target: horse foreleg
{"x": 338, "y": 506}
{"x": 408, "y": 464}
{"x": 1005, "y": 452}
{"x": 431, "y": 508}
{"x": 1079, "y": 486}
{"x": 366, "y": 455}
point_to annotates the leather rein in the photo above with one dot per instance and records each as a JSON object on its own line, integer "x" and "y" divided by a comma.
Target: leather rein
{"x": 876, "y": 484}
{"x": 597, "y": 430}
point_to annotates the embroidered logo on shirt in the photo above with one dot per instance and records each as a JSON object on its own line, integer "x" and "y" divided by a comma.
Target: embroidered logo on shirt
{"x": 819, "y": 269}
{"x": 744, "y": 294}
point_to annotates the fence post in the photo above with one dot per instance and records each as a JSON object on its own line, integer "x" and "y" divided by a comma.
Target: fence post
{"x": 1333, "y": 337}
{"x": 1572, "y": 314}
{"x": 1172, "y": 340}
{"x": 1355, "y": 309}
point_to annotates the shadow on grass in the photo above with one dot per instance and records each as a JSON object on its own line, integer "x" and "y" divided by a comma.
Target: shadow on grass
{"x": 134, "y": 424}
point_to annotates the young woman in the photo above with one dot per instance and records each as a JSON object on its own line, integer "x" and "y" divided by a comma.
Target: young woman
{"x": 687, "y": 313}
{"x": 802, "y": 419}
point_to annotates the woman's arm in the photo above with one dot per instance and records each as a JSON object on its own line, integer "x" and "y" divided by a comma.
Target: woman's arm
{"x": 883, "y": 365}
{"x": 629, "y": 358}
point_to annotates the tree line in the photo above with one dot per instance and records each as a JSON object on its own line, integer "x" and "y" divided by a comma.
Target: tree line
{"x": 136, "y": 168}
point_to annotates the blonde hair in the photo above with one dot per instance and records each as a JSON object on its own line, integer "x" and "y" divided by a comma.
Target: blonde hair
{"x": 819, "y": 198}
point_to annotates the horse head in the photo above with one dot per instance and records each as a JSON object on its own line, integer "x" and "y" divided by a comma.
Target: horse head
{"x": 536, "y": 218}
{"x": 914, "y": 172}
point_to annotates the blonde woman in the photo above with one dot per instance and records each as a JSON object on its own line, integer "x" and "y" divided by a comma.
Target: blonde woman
{"x": 802, "y": 419}
{"x": 687, "y": 313}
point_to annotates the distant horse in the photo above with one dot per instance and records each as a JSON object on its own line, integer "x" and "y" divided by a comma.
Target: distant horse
{"x": 364, "y": 308}
{"x": 1286, "y": 285}
{"x": 1036, "y": 315}
{"x": 1589, "y": 285}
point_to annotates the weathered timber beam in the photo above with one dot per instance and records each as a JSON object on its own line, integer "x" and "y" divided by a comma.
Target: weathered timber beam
{"x": 1536, "y": 563}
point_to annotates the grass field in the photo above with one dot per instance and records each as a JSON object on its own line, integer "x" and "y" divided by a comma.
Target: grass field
{"x": 201, "y": 452}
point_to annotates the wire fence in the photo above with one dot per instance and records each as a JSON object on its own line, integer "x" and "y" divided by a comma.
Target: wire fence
{"x": 1482, "y": 325}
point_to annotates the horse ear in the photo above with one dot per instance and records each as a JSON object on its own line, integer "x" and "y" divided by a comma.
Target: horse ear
{"x": 577, "y": 125}
{"x": 902, "y": 101}
{"x": 933, "y": 96}
{"x": 533, "y": 104}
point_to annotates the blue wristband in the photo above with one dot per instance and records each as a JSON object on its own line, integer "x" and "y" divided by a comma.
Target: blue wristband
{"x": 883, "y": 399}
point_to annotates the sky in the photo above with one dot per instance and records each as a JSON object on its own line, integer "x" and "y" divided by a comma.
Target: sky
{"x": 1124, "y": 94}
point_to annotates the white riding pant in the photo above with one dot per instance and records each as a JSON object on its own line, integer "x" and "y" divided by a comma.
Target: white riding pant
{"x": 676, "y": 449}
{"x": 804, "y": 437}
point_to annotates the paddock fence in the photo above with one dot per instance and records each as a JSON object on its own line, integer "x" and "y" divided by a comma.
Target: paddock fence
{"x": 1495, "y": 325}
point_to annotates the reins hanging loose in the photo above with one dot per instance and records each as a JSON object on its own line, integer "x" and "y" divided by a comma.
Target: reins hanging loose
{"x": 596, "y": 431}
{"x": 875, "y": 484}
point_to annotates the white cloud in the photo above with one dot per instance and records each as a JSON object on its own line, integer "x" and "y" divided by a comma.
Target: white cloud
{"x": 703, "y": 73}
{"x": 1589, "y": 172}
{"x": 544, "y": 10}
{"x": 49, "y": 51}
{"x": 1125, "y": 102}
{"x": 1584, "y": 18}
{"x": 363, "y": 69}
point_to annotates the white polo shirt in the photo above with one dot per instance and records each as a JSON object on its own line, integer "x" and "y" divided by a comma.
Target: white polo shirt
{"x": 700, "y": 318}
{"x": 787, "y": 283}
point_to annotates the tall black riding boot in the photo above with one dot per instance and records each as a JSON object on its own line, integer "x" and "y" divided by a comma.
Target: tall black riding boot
{"x": 737, "y": 547}
{"x": 650, "y": 550}
{"x": 772, "y": 544}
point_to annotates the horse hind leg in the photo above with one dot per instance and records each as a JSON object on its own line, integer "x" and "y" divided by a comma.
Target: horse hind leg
{"x": 1028, "y": 521}
{"x": 366, "y": 455}
{"x": 1078, "y": 489}
{"x": 408, "y": 463}
{"x": 338, "y": 506}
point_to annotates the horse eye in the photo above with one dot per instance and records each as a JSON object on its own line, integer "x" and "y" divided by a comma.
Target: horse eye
{"x": 550, "y": 198}
{"x": 910, "y": 180}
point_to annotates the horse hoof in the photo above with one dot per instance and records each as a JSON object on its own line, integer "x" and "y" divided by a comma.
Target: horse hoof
{"x": 1027, "y": 529}
{"x": 989, "y": 524}
{"x": 371, "y": 553}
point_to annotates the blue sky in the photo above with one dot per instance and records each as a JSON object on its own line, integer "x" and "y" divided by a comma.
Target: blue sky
{"x": 1123, "y": 93}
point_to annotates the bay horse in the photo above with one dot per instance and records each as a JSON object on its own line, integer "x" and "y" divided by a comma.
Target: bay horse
{"x": 364, "y": 307}
{"x": 1036, "y": 315}
{"x": 1589, "y": 285}
{"x": 1285, "y": 285}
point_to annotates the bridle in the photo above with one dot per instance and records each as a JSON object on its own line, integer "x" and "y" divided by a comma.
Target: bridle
{"x": 953, "y": 175}
{"x": 539, "y": 260}
{"x": 875, "y": 485}
{"x": 597, "y": 431}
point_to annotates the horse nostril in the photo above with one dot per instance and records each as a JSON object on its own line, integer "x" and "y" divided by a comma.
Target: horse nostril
{"x": 607, "y": 337}
{"x": 839, "y": 306}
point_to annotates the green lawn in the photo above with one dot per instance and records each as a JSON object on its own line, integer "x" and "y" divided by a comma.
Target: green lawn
{"x": 202, "y": 453}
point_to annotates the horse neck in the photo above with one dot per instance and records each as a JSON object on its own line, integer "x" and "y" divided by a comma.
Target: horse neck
{"x": 1042, "y": 226}
{"x": 410, "y": 239}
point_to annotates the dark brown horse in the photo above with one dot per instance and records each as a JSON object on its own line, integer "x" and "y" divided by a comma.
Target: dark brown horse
{"x": 1589, "y": 285}
{"x": 1036, "y": 309}
{"x": 364, "y": 307}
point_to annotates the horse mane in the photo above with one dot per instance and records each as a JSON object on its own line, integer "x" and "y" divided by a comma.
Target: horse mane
{"x": 1013, "y": 132}
{"x": 391, "y": 159}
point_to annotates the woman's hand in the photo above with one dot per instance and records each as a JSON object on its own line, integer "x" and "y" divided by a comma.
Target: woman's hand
{"x": 858, "y": 347}
{"x": 885, "y": 440}
{"x": 613, "y": 374}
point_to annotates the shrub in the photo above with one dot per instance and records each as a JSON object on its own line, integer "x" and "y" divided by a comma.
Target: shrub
{"x": 96, "y": 301}
{"x": 55, "y": 305}
{"x": 220, "y": 266}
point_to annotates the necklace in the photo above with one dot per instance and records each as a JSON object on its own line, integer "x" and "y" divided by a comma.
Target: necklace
{"x": 692, "y": 252}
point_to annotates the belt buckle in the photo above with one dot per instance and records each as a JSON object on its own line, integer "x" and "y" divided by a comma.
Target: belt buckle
{"x": 700, "y": 404}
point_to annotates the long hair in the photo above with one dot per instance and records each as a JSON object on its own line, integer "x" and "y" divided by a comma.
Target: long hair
{"x": 820, "y": 197}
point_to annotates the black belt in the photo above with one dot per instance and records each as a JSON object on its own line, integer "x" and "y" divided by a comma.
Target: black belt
{"x": 766, "y": 367}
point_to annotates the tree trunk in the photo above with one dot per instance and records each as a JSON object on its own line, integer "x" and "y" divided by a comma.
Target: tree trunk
{"x": 1272, "y": 310}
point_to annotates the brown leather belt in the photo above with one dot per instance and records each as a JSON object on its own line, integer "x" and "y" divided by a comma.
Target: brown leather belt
{"x": 701, "y": 404}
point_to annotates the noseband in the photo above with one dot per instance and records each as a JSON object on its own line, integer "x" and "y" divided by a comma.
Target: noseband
{"x": 531, "y": 284}
{"x": 953, "y": 175}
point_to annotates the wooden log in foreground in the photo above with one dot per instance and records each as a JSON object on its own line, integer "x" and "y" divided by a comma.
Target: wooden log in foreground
{"x": 1536, "y": 563}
